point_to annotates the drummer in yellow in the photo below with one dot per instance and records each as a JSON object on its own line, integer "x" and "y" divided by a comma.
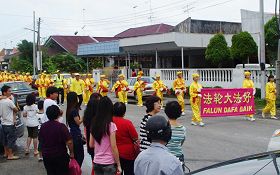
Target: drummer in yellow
{"x": 180, "y": 89}
{"x": 195, "y": 100}
{"x": 248, "y": 83}
{"x": 121, "y": 87}
{"x": 89, "y": 83}
{"x": 103, "y": 86}
{"x": 139, "y": 87}
{"x": 270, "y": 98}
{"x": 159, "y": 88}
{"x": 28, "y": 78}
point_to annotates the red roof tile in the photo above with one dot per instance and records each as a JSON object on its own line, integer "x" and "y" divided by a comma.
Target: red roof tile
{"x": 145, "y": 30}
{"x": 70, "y": 43}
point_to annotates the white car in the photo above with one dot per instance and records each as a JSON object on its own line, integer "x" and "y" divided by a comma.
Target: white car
{"x": 148, "y": 90}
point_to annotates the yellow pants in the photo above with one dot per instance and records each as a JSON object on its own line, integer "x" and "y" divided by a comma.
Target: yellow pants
{"x": 270, "y": 107}
{"x": 139, "y": 96}
{"x": 181, "y": 101}
{"x": 86, "y": 96}
{"x": 65, "y": 93}
{"x": 160, "y": 95}
{"x": 121, "y": 96}
{"x": 196, "y": 111}
{"x": 44, "y": 90}
{"x": 125, "y": 97}
{"x": 40, "y": 92}
{"x": 103, "y": 94}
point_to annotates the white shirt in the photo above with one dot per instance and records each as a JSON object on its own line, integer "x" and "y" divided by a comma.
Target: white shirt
{"x": 47, "y": 103}
{"x": 6, "y": 111}
{"x": 31, "y": 120}
{"x": 40, "y": 117}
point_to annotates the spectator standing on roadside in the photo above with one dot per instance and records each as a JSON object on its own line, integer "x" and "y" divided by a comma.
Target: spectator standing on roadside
{"x": 29, "y": 112}
{"x": 40, "y": 115}
{"x": 74, "y": 121}
{"x": 103, "y": 140}
{"x": 133, "y": 73}
{"x": 54, "y": 137}
{"x": 173, "y": 112}
{"x": 157, "y": 160}
{"x": 90, "y": 113}
{"x": 153, "y": 105}
{"x": 8, "y": 119}
{"x": 127, "y": 137}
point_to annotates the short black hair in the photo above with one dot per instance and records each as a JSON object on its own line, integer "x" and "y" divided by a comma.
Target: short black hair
{"x": 30, "y": 99}
{"x": 53, "y": 112}
{"x": 51, "y": 90}
{"x": 269, "y": 77}
{"x": 150, "y": 102}
{"x": 40, "y": 104}
{"x": 173, "y": 110}
{"x": 4, "y": 89}
{"x": 119, "y": 109}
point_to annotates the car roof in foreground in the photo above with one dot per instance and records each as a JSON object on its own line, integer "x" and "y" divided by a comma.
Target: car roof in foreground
{"x": 258, "y": 164}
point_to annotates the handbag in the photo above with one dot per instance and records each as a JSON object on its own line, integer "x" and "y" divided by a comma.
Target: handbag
{"x": 74, "y": 168}
{"x": 136, "y": 147}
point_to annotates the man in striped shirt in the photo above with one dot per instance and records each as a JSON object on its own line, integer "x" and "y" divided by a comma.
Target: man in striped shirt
{"x": 153, "y": 105}
{"x": 173, "y": 112}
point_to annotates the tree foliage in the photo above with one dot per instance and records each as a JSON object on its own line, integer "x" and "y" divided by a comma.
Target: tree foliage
{"x": 217, "y": 51}
{"x": 95, "y": 63}
{"x": 22, "y": 65}
{"x": 271, "y": 39}
{"x": 26, "y": 50}
{"x": 243, "y": 46}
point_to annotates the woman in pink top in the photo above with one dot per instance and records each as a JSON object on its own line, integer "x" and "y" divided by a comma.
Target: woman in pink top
{"x": 103, "y": 140}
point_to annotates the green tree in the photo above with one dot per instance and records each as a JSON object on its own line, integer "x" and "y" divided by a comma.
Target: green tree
{"x": 64, "y": 62}
{"x": 26, "y": 50}
{"x": 243, "y": 47}
{"x": 22, "y": 65}
{"x": 95, "y": 63}
{"x": 271, "y": 39}
{"x": 217, "y": 51}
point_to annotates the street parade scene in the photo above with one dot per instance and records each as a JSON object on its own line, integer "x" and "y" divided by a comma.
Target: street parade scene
{"x": 170, "y": 94}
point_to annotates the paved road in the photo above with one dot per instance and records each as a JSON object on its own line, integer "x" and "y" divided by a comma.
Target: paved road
{"x": 222, "y": 139}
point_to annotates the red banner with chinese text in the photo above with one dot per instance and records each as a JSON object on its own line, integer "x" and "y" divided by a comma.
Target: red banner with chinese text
{"x": 217, "y": 102}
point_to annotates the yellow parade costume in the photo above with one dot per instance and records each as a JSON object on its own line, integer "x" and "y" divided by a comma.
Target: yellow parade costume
{"x": 159, "y": 88}
{"x": 78, "y": 86}
{"x": 139, "y": 87}
{"x": 103, "y": 86}
{"x": 121, "y": 87}
{"x": 180, "y": 88}
{"x": 270, "y": 99}
{"x": 195, "y": 100}
{"x": 248, "y": 83}
{"x": 89, "y": 82}
{"x": 65, "y": 87}
{"x": 39, "y": 86}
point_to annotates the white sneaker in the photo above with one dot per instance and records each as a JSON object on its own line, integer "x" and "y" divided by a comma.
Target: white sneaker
{"x": 252, "y": 119}
{"x": 201, "y": 124}
{"x": 125, "y": 103}
{"x": 162, "y": 108}
{"x": 273, "y": 117}
{"x": 183, "y": 113}
{"x": 263, "y": 115}
{"x": 193, "y": 123}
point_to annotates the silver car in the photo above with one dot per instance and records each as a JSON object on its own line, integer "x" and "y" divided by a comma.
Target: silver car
{"x": 148, "y": 90}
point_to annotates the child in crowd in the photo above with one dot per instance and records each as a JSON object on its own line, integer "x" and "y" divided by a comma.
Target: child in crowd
{"x": 29, "y": 112}
{"x": 40, "y": 115}
{"x": 173, "y": 112}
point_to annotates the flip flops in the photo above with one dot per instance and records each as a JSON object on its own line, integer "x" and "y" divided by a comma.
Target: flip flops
{"x": 13, "y": 158}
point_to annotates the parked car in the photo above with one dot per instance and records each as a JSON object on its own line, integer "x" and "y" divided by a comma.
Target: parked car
{"x": 65, "y": 75}
{"x": 148, "y": 90}
{"x": 20, "y": 90}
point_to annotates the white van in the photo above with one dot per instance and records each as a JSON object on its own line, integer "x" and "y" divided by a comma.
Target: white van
{"x": 251, "y": 66}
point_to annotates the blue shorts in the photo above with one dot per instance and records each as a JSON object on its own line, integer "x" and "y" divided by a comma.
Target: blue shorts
{"x": 10, "y": 136}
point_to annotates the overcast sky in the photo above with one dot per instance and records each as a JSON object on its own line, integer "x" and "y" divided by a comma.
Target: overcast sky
{"x": 110, "y": 17}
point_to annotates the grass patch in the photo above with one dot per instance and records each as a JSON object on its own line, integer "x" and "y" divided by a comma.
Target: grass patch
{"x": 260, "y": 103}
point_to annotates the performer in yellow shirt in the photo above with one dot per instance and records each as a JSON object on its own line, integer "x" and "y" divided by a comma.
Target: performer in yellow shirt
{"x": 195, "y": 100}
{"x": 89, "y": 84}
{"x": 270, "y": 91}
{"x": 78, "y": 87}
{"x": 140, "y": 72}
{"x": 248, "y": 83}
{"x": 180, "y": 89}
{"x": 43, "y": 84}
{"x": 65, "y": 87}
{"x": 159, "y": 88}
{"x": 38, "y": 85}
{"x": 139, "y": 87}
{"x": 103, "y": 86}
{"x": 121, "y": 87}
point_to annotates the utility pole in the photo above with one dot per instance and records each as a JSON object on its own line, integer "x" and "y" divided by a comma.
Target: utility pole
{"x": 278, "y": 60}
{"x": 39, "y": 47}
{"x": 34, "y": 48}
{"x": 262, "y": 54}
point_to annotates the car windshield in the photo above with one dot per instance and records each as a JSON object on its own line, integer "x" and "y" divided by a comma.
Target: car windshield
{"x": 17, "y": 86}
